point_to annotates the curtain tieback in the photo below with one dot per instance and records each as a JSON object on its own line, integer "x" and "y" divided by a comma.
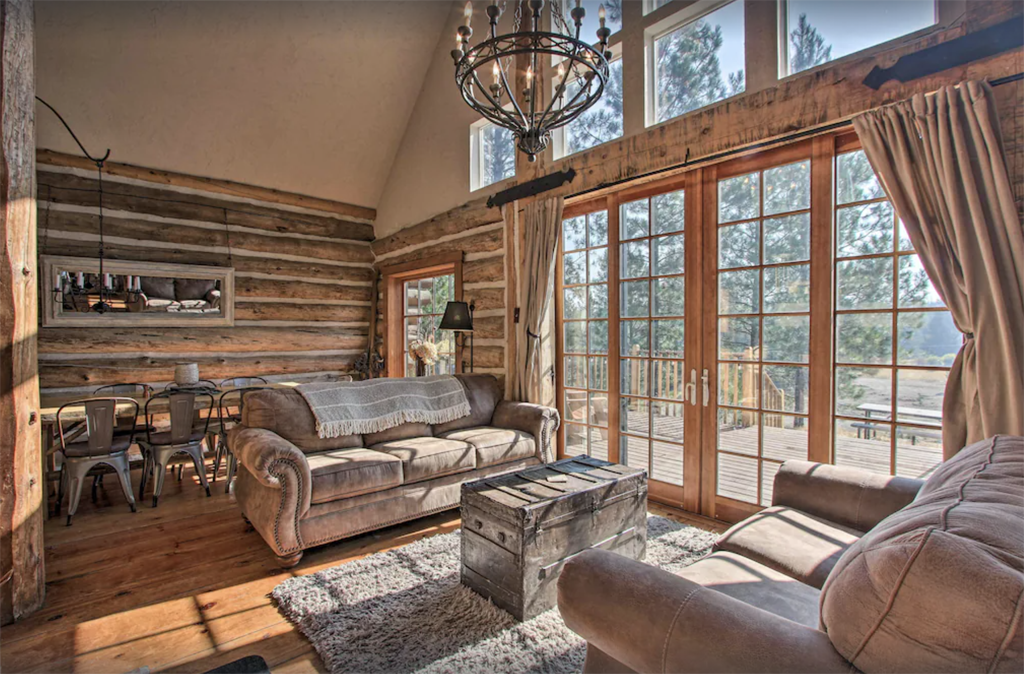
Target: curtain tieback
{"x": 968, "y": 335}
{"x": 530, "y": 334}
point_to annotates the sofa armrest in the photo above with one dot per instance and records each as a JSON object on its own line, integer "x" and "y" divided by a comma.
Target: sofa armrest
{"x": 273, "y": 461}
{"x": 852, "y": 497}
{"x": 653, "y": 621}
{"x": 539, "y": 421}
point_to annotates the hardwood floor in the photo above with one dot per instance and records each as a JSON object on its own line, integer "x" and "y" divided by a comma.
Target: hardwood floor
{"x": 180, "y": 588}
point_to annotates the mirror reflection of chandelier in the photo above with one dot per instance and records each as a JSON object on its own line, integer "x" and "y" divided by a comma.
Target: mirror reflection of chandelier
{"x": 486, "y": 73}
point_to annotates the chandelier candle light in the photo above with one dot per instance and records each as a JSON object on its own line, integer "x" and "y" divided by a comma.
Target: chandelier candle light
{"x": 526, "y": 115}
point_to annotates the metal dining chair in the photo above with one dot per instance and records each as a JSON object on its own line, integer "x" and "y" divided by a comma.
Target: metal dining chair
{"x": 201, "y": 384}
{"x": 185, "y": 436}
{"x": 243, "y": 382}
{"x": 102, "y": 446}
{"x": 234, "y": 398}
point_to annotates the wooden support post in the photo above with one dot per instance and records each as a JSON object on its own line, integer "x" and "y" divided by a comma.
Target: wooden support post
{"x": 21, "y": 483}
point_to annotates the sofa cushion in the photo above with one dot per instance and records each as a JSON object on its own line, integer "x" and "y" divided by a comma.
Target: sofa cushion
{"x": 496, "y": 445}
{"x": 483, "y": 394}
{"x": 425, "y": 458}
{"x": 799, "y": 545}
{"x": 285, "y": 412}
{"x": 757, "y": 585}
{"x": 938, "y": 585}
{"x": 342, "y": 473}
{"x": 192, "y": 289}
{"x": 400, "y": 432}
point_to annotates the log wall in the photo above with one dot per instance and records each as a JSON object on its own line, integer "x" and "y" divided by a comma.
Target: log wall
{"x": 303, "y": 275}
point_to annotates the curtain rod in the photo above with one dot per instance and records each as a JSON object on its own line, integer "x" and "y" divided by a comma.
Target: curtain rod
{"x": 757, "y": 146}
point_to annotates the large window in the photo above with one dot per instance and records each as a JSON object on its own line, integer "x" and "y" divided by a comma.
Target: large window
{"x": 819, "y": 31}
{"x": 492, "y": 154}
{"x": 695, "y": 62}
{"x": 425, "y": 302}
{"x": 600, "y": 124}
{"x": 894, "y": 339}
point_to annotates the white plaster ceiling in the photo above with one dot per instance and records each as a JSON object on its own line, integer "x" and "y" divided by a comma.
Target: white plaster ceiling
{"x": 305, "y": 97}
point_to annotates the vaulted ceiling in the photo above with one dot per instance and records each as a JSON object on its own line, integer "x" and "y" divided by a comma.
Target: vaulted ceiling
{"x": 305, "y": 97}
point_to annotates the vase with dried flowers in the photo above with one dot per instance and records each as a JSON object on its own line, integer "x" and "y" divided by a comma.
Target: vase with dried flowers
{"x": 425, "y": 353}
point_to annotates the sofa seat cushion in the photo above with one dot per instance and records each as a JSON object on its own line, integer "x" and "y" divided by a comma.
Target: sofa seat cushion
{"x": 496, "y": 445}
{"x": 937, "y": 586}
{"x": 426, "y": 458}
{"x": 757, "y": 585}
{"x": 799, "y": 545}
{"x": 342, "y": 473}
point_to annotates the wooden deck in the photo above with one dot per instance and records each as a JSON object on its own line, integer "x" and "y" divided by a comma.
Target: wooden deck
{"x": 738, "y": 466}
{"x": 180, "y": 588}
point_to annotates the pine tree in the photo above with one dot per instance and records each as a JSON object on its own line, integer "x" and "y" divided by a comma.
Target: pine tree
{"x": 808, "y": 47}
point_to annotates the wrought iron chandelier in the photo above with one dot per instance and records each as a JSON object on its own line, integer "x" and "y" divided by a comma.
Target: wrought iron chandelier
{"x": 582, "y": 72}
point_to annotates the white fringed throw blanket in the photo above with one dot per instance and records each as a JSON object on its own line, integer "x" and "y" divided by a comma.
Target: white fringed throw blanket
{"x": 357, "y": 407}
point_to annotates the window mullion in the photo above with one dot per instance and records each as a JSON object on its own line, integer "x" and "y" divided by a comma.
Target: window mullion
{"x": 614, "y": 329}
{"x": 819, "y": 447}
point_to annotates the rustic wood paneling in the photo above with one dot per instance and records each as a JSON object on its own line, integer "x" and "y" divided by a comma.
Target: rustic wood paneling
{"x": 468, "y": 216}
{"x": 488, "y": 241}
{"x": 303, "y": 282}
{"x": 484, "y": 271}
{"x": 21, "y": 496}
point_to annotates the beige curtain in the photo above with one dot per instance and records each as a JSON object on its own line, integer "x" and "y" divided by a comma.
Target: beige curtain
{"x": 540, "y": 225}
{"x": 940, "y": 159}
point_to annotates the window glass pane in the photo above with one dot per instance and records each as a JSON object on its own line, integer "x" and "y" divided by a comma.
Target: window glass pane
{"x": 667, "y": 462}
{"x": 598, "y": 228}
{"x": 768, "y": 470}
{"x": 575, "y": 439}
{"x": 601, "y": 122}
{"x": 669, "y": 254}
{"x": 739, "y": 292}
{"x": 737, "y": 477}
{"x": 669, "y": 338}
{"x": 864, "y": 445}
{"x": 864, "y": 284}
{"x": 588, "y": 31}
{"x": 737, "y": 431}
{"x": 786, "y": 339}
{"x": 823, "y": 30}
{"x": 651, "y": 5}
{"x": 633, "y": 218}
{"x": 634, "y": 376}
{"x": 787, "y": 239}
{"x": 599, "y": 443}
{"x": 787, "y": 289}
{"x": 574, "y": 268}
{"x": 918, "y": 451}
{"x": 785, "y": 437}
{"x": 919, "y": 396}
{"x": 497, "y": 154}
{"x": 669, "y": 296}
{"x": 916, "y": 289}
{"x": 738, "y": 338}
{"x": 787, "y": 188}
{"x": 739, "y": 198}
{"x": 864, "y": 338}
{"x": 574, "y": 233}
{"x": 668, "y": 379}
{"x": 669, "y": 212}
{"x": 904, "y": 241}
{"x": 699, "y": 63}
{"x": 598, "y": 265}
{"x": 863, "y": 392}
{"x": 598, "y": 336}
{"x": 785, "y": 388}
{"x": 865, "y": 229}
{"x": 576, "y": 371}
{"x": 739, "y": 245}
{"x": 634, "y": 337}
{"x": 636, "y": 301}
{"x": 927, "y": 338}
{"x": 668, "y": 420}
{"x": 598, "y": 375}
{"x": 855, "y": 179}
{"x": 598, "y": 300}
{"x": 635, "y": 452}
{"x": 636, "y": 259}
{"x": 739, "y": 384}
{"x": 575, "y": 337}
{"x": 576, "y": 405}
{"x": 574, "y": 304}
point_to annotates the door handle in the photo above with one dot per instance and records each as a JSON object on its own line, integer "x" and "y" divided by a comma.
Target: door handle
{"x": 691, "y": 388}
{"x": 704, "y": 379}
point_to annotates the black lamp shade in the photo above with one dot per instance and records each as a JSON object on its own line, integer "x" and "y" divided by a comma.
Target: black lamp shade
{"x": 458, "y": 317}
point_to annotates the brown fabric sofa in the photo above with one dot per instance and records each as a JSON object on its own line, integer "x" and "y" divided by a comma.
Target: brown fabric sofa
{"x": 299, "y": 490}
{"x": 846, "y": 571}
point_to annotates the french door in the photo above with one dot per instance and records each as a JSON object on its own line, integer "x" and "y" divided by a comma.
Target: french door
{"x": 697, "y": 332}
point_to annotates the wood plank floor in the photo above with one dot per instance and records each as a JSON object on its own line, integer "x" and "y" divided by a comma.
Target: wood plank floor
{"x": 180, "y": 588}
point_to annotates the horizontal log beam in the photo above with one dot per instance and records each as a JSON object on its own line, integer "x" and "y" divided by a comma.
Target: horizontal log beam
{"x": 228, "y": 187}
{"x": 468, "y": 216}
{"x": 259, "y": 287}
{"x": 485, "y": 298}
{"x": 124, "y": 341}
{"x": 299, "y": 312}
{"x": 492, "y": 327}
{"x": 482, "y": 271}
{"x": 484, "y": 242}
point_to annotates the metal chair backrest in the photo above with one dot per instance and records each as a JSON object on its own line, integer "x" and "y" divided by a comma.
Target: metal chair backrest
{"x": 227, "y": 400}
{"x": 145, "y": 390}
{"x": 100, "y": 420}
{"x": 182, "y": 408}
{"x": 243, "y": 382}
{"x": 202, "y": 383}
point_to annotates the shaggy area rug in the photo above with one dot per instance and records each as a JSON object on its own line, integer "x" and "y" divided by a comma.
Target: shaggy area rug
{"x": 406, "y": 611}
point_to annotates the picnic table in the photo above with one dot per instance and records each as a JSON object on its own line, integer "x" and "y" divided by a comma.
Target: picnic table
{"x": 882, "y": 412}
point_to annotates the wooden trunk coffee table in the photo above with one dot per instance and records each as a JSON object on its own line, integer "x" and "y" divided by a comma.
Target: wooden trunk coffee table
{"x": 519, "y": 529}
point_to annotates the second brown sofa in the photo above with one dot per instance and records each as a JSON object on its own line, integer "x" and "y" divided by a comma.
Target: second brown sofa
{"x": 299, "y": 490}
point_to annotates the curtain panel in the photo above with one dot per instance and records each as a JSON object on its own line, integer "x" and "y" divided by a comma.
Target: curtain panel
{"x": 540, "y": 225}
{"x": 940, "y": 159}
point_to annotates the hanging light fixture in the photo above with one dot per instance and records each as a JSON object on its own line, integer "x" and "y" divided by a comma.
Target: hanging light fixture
{"x": 494, "y": 61}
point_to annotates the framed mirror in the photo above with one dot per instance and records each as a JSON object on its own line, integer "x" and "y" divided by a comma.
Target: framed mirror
{"x": 130, "y": 293}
